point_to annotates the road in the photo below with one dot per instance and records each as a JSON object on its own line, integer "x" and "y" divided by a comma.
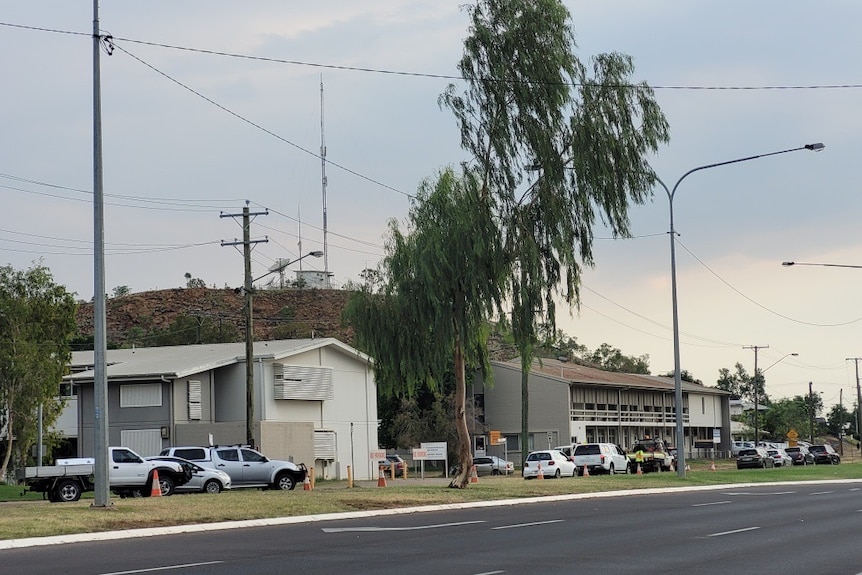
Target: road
{"x": 786, "y": 529}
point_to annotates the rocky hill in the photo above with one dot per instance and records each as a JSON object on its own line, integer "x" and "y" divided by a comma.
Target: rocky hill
{"x": 137, "y": 317}
{"x": 145, "y": 319}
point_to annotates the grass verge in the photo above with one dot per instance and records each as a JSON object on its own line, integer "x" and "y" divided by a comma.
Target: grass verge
{"x": 23, "y": 517}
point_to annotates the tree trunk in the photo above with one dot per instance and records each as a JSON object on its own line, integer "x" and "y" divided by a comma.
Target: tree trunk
{"x": 8, "y": 455}
{"x": 463, "y": 452}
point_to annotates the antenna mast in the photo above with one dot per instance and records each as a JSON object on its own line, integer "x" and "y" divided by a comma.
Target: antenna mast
{"x": 323, "y": 186}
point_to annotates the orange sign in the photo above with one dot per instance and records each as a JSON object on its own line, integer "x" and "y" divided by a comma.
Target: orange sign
{"x": 792, "y": 436}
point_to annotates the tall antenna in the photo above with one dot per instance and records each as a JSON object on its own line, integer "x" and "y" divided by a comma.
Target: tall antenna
{"x": 323, "y": 186}
{"x": 299, "y": 232}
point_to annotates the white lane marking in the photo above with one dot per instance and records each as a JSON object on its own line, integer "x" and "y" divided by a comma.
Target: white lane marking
{"x": 166, "y": 568}
{"x": 854, "y": 489}
{"x": 760, "y": 494}
{"x": 516, "y": 525}
{"x": 712, "y": 503}
{"x": 735, "y": 531}
{"x": 822, "y": 492}
{"x": 376, "y": 529}
{"x": 498, "y": 573}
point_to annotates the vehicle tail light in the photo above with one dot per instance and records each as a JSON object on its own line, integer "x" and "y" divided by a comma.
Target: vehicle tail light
{"x": 602, "y": 459}
{"x": 551, "y": 463}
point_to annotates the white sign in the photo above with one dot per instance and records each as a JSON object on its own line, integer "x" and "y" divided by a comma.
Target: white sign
{"x": 716, "y": 435}
{"x": 379, "y": 455}
{"x": 420, "y": 454}
{"x": 436, "y": 450}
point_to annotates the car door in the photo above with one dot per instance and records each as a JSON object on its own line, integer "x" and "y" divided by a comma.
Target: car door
{"x": 227, "y": 460}
{"x": 255, "y": 467}
{"x": 484, "y": 465}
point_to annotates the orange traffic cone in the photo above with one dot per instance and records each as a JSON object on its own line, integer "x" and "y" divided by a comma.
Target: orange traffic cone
{"x": 474, "y": 476}
{"x": 586, "y": 472}
{"x": 381, "y": 481}
{"x": 640, "y": 471}
{"x": 712, "y": 466}
{"x": 671, "y": 467}
{"x": 540, "y": 475}
{"x": 156, "y": 491}
{"x": 306, "y": 485}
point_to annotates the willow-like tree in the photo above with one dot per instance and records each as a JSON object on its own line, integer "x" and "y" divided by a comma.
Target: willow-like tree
{"x": 556, "y": 143}
{"x": 37, "y": 322}
{"x": 441, "y": 281}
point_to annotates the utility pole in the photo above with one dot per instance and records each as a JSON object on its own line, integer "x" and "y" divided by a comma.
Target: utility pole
{"x": 811, "y": 411}
{"x": 841, "y": 422}
{"x": 858, "y": 401}
{"x": 247, "y": 290}
{"x": 756, "y": 390}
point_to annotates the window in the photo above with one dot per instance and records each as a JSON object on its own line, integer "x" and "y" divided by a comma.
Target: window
{"x": 228, "y": 454}
{"x": 141, "y": 395}
{"x": 68, "y": 389}
{"x": 192, "y": 454}
{"x": 194, "y": 400}
{"x": 254, "y": 456}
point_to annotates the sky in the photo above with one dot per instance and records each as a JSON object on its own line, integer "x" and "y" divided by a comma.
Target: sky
{"x": 209, "y": 104}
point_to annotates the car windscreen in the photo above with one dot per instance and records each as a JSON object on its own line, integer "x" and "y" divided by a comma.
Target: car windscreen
{"x": 592, "y": 449}
{"x": 748, "y": 452}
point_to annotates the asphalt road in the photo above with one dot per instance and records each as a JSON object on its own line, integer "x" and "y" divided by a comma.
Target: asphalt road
{"x": 786, "y": 529}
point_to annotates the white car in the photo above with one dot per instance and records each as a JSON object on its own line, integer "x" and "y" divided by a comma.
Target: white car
{"x": 781, "y": 458}
{"x": 600, "y": 458}
{"x": 203, "y": 480}
{"x": 551, "y": 462}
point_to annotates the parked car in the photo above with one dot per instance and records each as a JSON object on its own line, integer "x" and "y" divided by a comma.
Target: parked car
{"x": 756, "y": 457}
{"x": 552, "y": 463}
{"x": 397, "y": 461}
{"x": 600, "y": 458}
{"x": 780, "y": 457}
{"x": 202, "y": 480}
{"x": 800, "y": 455}
{"x": 824, "y": 455}
{"x": 493, "y": 465}
{"x": 737, "y": 445}
{"x": 245, "y": 466}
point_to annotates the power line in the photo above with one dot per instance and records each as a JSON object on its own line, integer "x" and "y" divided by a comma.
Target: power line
{"x": 437, "y": 76}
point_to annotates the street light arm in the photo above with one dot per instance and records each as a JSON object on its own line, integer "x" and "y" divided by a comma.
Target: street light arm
{"x": 813, "y": 147}
{"x": 779, "y": 361}
{"x": 316, "y": 254}
{"x": 788, "y": 264}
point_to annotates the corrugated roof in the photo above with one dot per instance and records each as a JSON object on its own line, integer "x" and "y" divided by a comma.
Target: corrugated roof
{"x": 569, "y": 372}
{"x": 184, "y": 360}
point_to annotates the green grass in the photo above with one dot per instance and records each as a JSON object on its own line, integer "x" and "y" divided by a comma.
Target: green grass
{"x": 23, "y": 517}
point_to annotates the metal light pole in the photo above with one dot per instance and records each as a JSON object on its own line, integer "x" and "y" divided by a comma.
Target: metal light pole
{"x": 856, "y": 359}
{"x": 680, "y": 437}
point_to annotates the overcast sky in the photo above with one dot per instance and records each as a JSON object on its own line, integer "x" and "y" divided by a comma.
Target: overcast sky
{"x": 188, "y": 135}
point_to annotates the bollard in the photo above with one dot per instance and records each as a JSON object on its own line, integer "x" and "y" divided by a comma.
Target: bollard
{"x": 349, "y": 477}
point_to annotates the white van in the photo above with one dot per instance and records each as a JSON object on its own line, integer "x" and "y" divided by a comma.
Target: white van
{"x": 600, "y": 458}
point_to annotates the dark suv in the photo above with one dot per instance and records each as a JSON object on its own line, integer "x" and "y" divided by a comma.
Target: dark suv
{"x": 800, "y": 455}
{"x": 824, "y": 455}
{"x": 754, "y": 457}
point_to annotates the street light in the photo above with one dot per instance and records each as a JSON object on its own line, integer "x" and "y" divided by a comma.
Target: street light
{"x": 677, "y": 380}
{"x": 856, "y": 359}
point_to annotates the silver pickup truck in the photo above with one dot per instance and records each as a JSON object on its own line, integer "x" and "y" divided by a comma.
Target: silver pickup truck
{"x": 246, "y": 467}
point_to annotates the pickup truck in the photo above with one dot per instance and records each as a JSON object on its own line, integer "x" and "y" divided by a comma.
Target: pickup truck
{"x": 246, "y": 467}
{"x": 651, "y": 455}
{"x": 129, "y": 475}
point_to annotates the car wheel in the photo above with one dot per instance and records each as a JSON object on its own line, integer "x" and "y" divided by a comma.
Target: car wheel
{"x": 166, "y": 485}
{"x": 67, "y": 490}
{"x": 212, "y": 486}
{"x": 611, "y": 470}
{"x": 285, "y": 482}
{"x": 557, "y": 474}
{"x": 495, "y": 472}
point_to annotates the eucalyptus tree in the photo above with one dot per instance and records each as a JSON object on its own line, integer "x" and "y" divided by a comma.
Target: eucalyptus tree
{"x": 584, "y": 129}
{"x": 441, "y": 280}
{"x": 37, "y": 323}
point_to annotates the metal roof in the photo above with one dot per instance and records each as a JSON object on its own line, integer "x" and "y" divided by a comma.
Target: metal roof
{"x": 174, "y": 362}
{"x": 568, "y": 372}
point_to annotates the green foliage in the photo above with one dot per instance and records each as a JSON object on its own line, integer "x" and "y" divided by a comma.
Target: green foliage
{"x": 120, "y": 291}
{"x": 837, "y": 420}
{"x": 588, "y": 130}
{"x": 192, "y": 282}
{"x": 37, "y": 319}
{"x": 442, "y": 280}
{"x": 612, "y": 359}
{"x": 786, "y": 414}
{"x": 737, "y": 383}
